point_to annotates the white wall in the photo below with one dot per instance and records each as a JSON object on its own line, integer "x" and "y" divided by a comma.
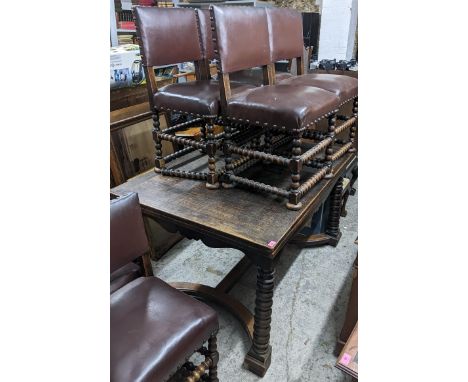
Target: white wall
{"x": 337, "y": 29}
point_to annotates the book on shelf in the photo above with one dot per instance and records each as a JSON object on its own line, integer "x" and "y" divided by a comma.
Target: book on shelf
{"x": 126, "y": 25}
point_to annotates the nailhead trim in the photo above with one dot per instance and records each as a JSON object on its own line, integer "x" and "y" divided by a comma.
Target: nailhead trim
{"x": 266, "y": 124}
{"x": 187, "y": 113}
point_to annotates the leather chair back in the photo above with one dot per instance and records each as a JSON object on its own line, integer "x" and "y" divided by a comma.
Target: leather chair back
{"x": 206, "y": 34}
{"x": 285, "y": 31}
{"x": 167, "y": 35}
{"x": 127, "y": 231}
{"x": 241, "y": 37}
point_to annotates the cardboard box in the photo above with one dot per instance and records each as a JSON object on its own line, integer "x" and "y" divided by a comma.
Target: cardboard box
{"x": 126, "y": 68}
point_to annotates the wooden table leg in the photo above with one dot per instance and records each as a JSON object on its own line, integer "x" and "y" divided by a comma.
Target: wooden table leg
{"x": 332, "y": 234}
{"x": 258, "y": 358}
{"x": 333, "y": 226}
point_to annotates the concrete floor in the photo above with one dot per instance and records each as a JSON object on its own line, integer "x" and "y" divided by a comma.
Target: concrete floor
{"x": 311, "y": 292}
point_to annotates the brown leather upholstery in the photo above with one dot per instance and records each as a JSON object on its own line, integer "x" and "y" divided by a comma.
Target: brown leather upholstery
{"x": 153, "y": 328}
{"x": 206, "y": 33}
{"x": 127, "y": 232}
{"x": 123, "y": 276}
{"x": 286, "y": 41}
{"x": 285, "y": 30}
{"x": 195, "y": 97}
{"x": 293, "y": 107}
{"x": 168, "y": 35}
{"x": 255, "y": 76}
{"x": 345, "y": 87}
{"x": 235, "y": 28}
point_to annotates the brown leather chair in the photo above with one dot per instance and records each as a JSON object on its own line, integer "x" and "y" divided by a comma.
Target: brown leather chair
{"x": 286, "y": 41}
{"x": 243, "y": 41}
{"x": 169, "y": 36}
{"x": 154, "y": 328}
{"x": 248, "y": 76}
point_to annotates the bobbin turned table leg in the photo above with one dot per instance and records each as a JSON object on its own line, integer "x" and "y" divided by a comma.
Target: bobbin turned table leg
{"x": 333, "y": 225}
{"x": 258, "y": 358}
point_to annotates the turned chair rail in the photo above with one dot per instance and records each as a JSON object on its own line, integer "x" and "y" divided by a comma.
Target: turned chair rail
{"x": 184, "y": 174}
{"x": 178, "y": 154}
{"x": 345, "y": 125}
{"x": 182, "y": 125}
{"x": 311, "y": 153}
{"x": 308, "y": 184}
{"x": 341, "y": 151}
{"x": 259, "y": 185}
{"x": 259, "y": 155}
{"x": 181, "y": 141}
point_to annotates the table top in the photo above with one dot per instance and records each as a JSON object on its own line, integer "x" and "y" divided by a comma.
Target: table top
{"x": 244, "y": 219}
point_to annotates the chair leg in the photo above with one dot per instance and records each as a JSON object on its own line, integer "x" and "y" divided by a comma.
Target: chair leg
{"x": 295, "y": 166}
{"x": 159, "y": 161}
{"x": 329, "y": 150}
{"x": 227, "y": 183}
{"x": 214, "y": 355}
{"x": 352, "y": 131}
{"x": 212, "y": 180}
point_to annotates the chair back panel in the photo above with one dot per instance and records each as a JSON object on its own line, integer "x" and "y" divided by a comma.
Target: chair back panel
{"x": 286, "y": 38}
{"x": 206, "y": 34}
{"x": 167, "y": 35}
{"x": 127, "y": 231}
{"x": 242, "y": 37}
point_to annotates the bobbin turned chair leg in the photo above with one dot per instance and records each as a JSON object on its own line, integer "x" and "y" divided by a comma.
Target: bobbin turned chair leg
{"x": 214, "y": 355}
{"x": 159, "y": 160}
{"x": 197, "y": 373}
{"x": 295, "y": 166}
{"x": 268, "y": 141}
{"x": 352, "y": 131}
{"x": 212, "y": 178}
{"x": 329, "y": 150}
{"x": 227, "y": 182}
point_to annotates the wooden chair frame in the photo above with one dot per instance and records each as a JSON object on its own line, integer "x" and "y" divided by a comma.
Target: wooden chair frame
{"x": 209, "y": 142}
{"x": 210, "y": 364}
{"x": 275, "y": 138}
{"x": 195, "y": 373}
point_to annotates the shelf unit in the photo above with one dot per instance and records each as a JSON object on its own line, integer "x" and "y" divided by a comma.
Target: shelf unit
{"x": 253, "y": 3}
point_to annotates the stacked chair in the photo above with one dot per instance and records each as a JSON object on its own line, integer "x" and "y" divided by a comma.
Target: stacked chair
{"x": 281, "y": 119}
{"x": 167, "y": 37}
{"x": 244, "y": 39}
{"x": 154, "y": 328}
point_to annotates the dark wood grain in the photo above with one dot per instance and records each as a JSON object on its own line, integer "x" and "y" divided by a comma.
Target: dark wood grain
{"x": 255, "y": 223}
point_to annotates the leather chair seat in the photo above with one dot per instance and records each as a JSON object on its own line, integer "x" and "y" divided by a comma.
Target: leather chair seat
{"x": 153, "y": 327}
{"x": 293, "y": 107}
{"x": 194, "y": 97}
{"x": 255, "y": 76}
{"x": 345, "y": 87}
{"x": 123, "y": 276}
